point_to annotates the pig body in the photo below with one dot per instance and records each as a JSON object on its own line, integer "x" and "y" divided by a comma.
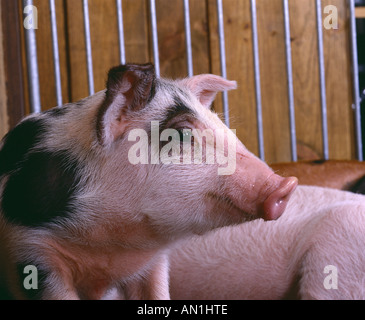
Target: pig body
{"x": 320, "y": 239}
{"x": 80, "y": 203}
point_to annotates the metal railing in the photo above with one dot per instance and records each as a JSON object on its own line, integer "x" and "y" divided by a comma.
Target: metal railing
{"x": 33, "y": 78}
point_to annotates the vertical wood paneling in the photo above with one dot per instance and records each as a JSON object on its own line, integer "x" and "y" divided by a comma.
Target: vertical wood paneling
{"x": 270, "y": 20}
{"x": 341, "y": 130}
{"x": 238, "y": 40}
{"x": 4, "y": 119}
{"x": 171, "y": 36}
{"x": 13, "y": 98}
{"x": 45, "y": 53}
{"x": 136, "y": 26}
{"x": 306, "y": 78}
{"x": 239, "y": 56}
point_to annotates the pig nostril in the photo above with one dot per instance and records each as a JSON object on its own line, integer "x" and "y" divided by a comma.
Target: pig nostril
{"x": 276, "y": 203}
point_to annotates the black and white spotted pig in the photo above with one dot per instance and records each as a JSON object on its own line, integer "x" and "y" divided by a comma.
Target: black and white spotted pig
{"x": 75, "y": 207}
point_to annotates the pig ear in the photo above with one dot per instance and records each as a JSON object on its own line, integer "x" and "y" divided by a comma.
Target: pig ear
{"x": 206, "y": 86}
{"x": 129, "y": 88}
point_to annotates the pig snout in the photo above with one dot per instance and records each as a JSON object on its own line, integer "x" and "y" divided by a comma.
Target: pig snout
{"x": 276, "y": 202}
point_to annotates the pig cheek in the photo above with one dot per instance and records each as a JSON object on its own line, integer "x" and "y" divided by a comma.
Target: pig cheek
{"x": 243, "y": 191}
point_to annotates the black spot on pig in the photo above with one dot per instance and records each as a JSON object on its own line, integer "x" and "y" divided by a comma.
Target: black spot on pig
{"x": 57, "y": 112}
{"x": 42, "y": 189}
{"x": 18, "y": 142}
{"x": 177, "y": 109}
{"x": 359, "y": 186}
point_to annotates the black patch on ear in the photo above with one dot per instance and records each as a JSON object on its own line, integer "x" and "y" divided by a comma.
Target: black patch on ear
{"x": 142, "y": 79}
{"x": 42, "y": 189}
{"x": 18, "y": 142}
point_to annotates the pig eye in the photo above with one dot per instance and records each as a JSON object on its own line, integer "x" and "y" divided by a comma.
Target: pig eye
{"x": 183, "y": 135}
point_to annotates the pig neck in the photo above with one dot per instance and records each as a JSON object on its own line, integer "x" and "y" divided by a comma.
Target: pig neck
{"x": 109, "y": 253}
{"x": 123, "y": 248}
{"x": 91, "y": 269}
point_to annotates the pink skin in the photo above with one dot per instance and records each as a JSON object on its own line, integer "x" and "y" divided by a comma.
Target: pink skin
{"x": 282, "y": 259}
{"x": 127, "y": 216}
{"x": 255, "y": 187}
{"x": 276, "y": 202}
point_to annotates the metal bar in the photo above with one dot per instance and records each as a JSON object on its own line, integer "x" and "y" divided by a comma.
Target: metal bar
{"x": 32, "y": 61}
{"x": 355, "y": 81}
{"x": 189, "y": 55}
{"x": 256, "y": 59}
{"x": 89, "y": 59}
{"x": 56, "y": 57}
{"x": 121, "y": 31}
{"x": 322, "y": 79}
{"x": 222, "y": 51}
{"x": 289, "y": 70}
{"x": 156, "y": 57}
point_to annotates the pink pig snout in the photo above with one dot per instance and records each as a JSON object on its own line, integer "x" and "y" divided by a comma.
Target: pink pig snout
{"x": 275, "y": 204}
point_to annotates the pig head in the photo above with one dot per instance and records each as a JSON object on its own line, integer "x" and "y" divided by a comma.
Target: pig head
{"x": 88, "y": 196}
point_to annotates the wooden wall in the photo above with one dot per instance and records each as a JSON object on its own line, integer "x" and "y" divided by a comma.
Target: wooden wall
{"x": 206, "y": 59}
{"x": 4, "y": 126}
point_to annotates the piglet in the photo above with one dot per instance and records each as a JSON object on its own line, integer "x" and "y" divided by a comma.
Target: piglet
{"x": 314, "y": 251}
{"x": 94, "y": 193}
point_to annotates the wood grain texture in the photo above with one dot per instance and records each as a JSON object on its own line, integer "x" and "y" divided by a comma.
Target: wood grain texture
{"x": 45, "y": 53}
{"x": 306, "y": 77}
{"x": 172, "y": 41}
{"x": 339, "y": 85}
{"x": 239, "y": 56}
{"x": 273, "y": 80}
{"x": 238, "y": 44}
{"x": 12, "y": 63}
{"x": 4, "y": 119}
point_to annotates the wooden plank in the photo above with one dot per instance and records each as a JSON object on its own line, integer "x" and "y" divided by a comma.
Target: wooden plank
{"x": 104, "y": 40}
{"x": 171, "y": 38}
{"x": 339, "y": 85}
{"x": 4, "y": 119}
{"x": 171, "y": 33}
{"x": 23, "y": 59}
{"x": 76, "y": 46}
{"x": 45, "y": 53}
{"x": 270, "y": 26}
{"x": 238, "y": 40}
{"x": 12, "y": 62}
{"x": 306, "y": 82}
{"x": 136, "y": 24}
{"x": 306, "y": 78}
{"x": 360, "y": 12}
{"x": 274, "y": 79}
{"x": 200, "y": 36}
